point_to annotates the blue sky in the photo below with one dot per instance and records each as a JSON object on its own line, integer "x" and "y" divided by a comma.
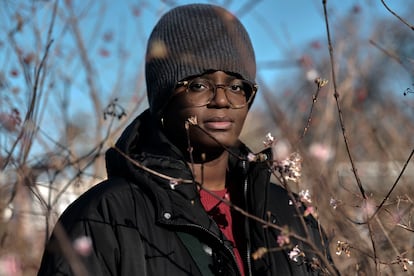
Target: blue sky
{"x": 275, "y": 26}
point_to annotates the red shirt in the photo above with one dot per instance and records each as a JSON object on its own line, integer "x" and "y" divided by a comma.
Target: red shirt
{"x": 221, "y": 214}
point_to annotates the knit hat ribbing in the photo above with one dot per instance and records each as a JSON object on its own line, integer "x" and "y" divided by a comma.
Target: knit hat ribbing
{"x": 190, "y": 40}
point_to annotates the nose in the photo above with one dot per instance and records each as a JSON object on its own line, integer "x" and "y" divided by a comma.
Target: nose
{"x": 220, "y": 99}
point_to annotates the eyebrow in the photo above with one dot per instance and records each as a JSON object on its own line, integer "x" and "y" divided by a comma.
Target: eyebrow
{"x": 228, "y": 78}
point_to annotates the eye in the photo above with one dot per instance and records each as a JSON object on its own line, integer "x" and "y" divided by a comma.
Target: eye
{"x": 199, "y": 86}
{"x": 237, "y": 88}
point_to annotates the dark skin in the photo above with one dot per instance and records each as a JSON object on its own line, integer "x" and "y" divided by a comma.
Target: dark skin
{"x": 217, "y": 119}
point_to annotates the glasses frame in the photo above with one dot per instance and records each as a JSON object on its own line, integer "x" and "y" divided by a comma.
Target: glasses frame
{"x": 214, "y": 86}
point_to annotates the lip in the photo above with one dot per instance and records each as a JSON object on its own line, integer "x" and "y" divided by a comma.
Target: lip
{"x": 218, "y": 123}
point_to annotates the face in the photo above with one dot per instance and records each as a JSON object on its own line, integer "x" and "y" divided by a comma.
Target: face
{"x": 218, "y": 118}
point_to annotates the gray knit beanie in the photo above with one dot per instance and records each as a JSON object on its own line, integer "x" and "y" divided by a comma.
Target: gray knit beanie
{"x": 190, "y": 40}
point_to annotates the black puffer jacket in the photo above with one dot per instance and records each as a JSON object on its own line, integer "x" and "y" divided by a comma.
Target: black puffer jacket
{"x": 143, "y": 224}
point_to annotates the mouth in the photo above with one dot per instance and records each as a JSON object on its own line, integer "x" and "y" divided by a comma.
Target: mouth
{"x": 218, "y": 123}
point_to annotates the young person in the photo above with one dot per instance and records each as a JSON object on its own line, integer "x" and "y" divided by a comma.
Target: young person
{"x": 180, "y": 182}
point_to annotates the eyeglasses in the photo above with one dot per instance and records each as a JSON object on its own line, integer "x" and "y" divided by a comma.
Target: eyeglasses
{"x": 201, "y": 92}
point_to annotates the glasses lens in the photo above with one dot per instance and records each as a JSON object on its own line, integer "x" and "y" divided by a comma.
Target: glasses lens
{"x": 238, "y": 92}
{"x": 200, "y": 91}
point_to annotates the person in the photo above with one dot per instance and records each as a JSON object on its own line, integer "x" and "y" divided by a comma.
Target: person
{"x": 184, "y": 195}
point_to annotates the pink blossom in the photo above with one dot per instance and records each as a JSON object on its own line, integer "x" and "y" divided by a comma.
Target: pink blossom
{"x": 11, "y": 120}
{"x": 295, "y": 254}
{"x": 83, "y": 245}
{"x": 10, "y": 266}
{"x": 283, "y": 240}
{"x": 321, "y": 151}
{"x": 310, "y": 210}
{"x": 305, "y": 196}
{"x": 269, "y": 141}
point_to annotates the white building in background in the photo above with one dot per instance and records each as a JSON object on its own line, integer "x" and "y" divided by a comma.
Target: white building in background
{"x": 58, "y": 195}
{"x": 377, "y": 176}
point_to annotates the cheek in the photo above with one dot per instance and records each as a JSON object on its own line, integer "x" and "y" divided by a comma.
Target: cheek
{"x": 243, "y": 117}
{"x": 175, "y": 122}
{"x": 240, "y": 119}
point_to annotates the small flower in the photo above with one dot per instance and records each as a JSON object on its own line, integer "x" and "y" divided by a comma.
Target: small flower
{"x": 290, "y": 168}
{"x": 10, "y": 121}
{"x": 251, "y": 157}
{"x": 173, "y": 183}
{"x": 334, "y": 203}
{"x": 270, "y": 140}
{"x": 310, "y": 210}
{"x": 193, "y": 120}
{"x": 83, "y": 245}
{"x": 259, "y": 253}
{"x": 343, "y": 247}
{"x": 404, "y": 262}
{"x": 283, "y": 239}
{"x": 321, "y": 82}
{"x": 305, "y": 196}
{"x": 295, "y": 254}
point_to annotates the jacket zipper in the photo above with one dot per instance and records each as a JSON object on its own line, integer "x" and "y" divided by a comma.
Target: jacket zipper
{"x": 246, "y": 223}
{"x": 229, "y": 250}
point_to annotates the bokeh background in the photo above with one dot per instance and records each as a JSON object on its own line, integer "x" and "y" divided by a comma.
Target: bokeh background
{"x": 72, "y": 77}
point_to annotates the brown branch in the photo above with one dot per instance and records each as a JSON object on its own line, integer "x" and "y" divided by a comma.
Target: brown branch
{"x": 90, "y": 73}
{"x": 28, "y": 122}
{"x": 320, "y": 83}
{"x": 338, "y": 106}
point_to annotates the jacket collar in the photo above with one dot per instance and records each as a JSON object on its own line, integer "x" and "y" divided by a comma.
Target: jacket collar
{"x": 144, "y": 142}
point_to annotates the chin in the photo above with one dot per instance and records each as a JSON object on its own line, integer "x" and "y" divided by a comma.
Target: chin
{"x": 223, "y": 142}
{"x": 213, "y": 139}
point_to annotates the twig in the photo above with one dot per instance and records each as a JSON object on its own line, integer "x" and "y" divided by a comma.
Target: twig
{"x": 393, "y": 186}
{"x": 336, "y": 95}
{"x": 396, "y": 15}
{"x": 33, "y": 100}
{"x": 320, "y": 83}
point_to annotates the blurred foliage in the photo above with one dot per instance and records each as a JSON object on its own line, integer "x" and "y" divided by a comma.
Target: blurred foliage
{"x": 51, "y": 146}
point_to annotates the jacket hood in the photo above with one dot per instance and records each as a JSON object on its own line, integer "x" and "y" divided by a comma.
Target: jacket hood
{"x": 144, "y": 142}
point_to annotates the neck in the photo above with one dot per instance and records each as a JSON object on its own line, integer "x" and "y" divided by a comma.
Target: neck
{"x": 212, "y": 174}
